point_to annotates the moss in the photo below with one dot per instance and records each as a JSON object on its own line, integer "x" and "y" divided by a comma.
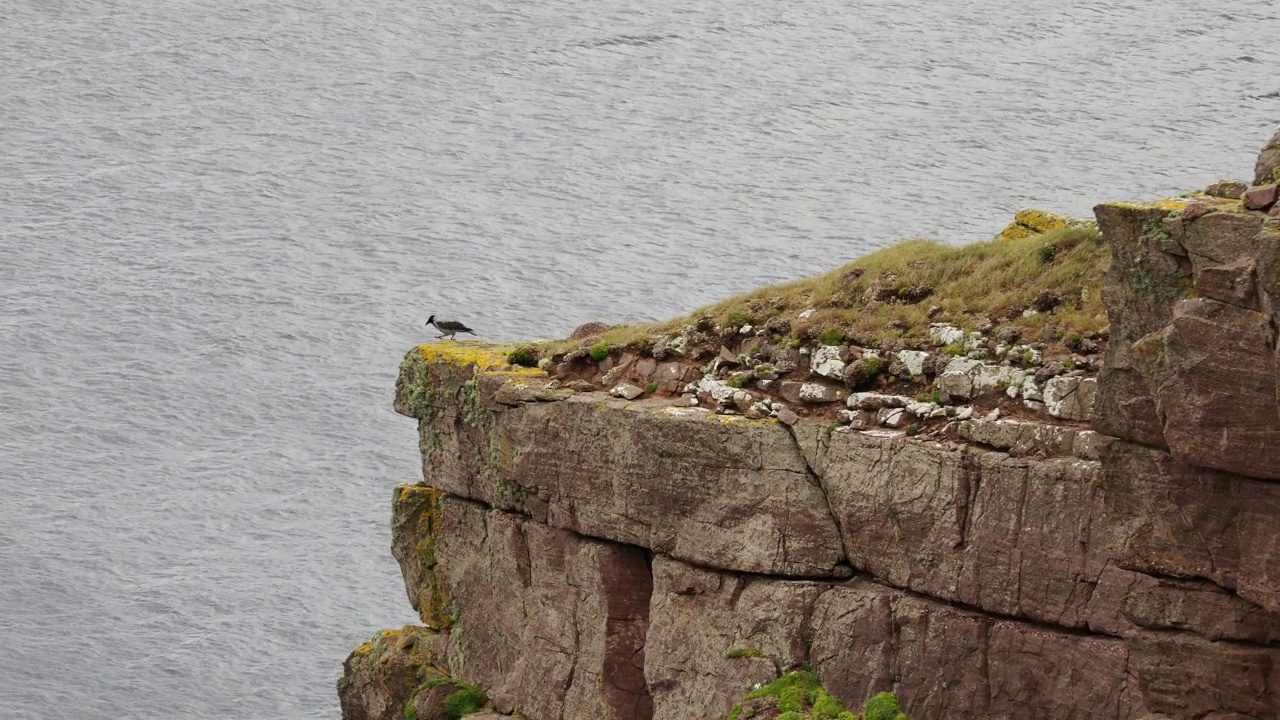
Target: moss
{"x": 954, "y": 349}
{"x": 599, "y": 351}
{"x": 883, "y": 706}
{"x": 800, "y": 696}
{"x": 464, "y": 701}
{"x": 651, "y": 388}
{"x": 743, "y": 652}
{"x": 736, "y": 381}
{"x": 831, "y": 336}
{"x": 524, "y": 356}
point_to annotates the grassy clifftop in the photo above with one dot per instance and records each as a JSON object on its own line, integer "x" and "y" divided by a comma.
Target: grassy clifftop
{"x": 1030, "y": 283}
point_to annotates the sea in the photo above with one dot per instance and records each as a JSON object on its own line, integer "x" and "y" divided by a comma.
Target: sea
{"x": 224, "y": 222}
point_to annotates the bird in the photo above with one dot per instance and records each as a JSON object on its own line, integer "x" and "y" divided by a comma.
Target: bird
{"x": 448, "y": 328}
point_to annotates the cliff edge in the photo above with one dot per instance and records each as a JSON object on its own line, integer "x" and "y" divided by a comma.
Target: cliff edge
{"x": 1037, "y": 501}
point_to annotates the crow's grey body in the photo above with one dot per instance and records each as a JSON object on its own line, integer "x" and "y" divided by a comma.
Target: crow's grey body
{"x": 448, "y": 328}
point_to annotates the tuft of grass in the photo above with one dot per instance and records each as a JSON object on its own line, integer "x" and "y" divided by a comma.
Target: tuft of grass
{"x": 743, "y": 652}
{"x": 651, "y": 388}
{"x": 599, "y": 351}
{"x": 883, "y": 706}
{"x": 466, "y": 700}
{"x": 913, "y": 429}
{"x": 736, "y": 381}
{"x": 954, "y": 349}
{"x": 831, "y": 336}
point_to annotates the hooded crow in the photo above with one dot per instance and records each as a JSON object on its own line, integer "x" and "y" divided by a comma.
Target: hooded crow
{"x": 447, "y": 328}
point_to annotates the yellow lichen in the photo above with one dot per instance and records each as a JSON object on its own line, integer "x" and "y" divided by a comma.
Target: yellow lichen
{"x": 421, "y": 505}
{"x": 1030, "y": 222}
{"x": 484, "y": 357}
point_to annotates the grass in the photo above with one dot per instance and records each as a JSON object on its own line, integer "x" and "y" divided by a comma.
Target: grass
{"x": 971, "y": 283}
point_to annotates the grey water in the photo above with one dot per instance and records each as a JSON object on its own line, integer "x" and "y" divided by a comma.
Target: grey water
{"x": 223, "y": 222}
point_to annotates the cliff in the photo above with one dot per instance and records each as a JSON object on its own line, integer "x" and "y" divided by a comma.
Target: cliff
{"x": 1019, "y": 512}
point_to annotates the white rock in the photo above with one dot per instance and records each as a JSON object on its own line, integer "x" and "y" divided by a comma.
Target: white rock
{"x": 627, "y": 390}
{"x": 945, "y": 334}
{"x": 1070, "y": 398}
{"x": 875, "y": 401}
{"x": 961, "y": 365}
{"x": 827, "y": 363}
{"x": 892, "y": 417}
{"x": 743, "y": 400}
{"x": 818, "y": 393}
{"x": 719, "y": 390}
{"x": 964, "y": 412}
{"x": 805, "y": 314}
{"x": 925, "y": 410}
{"x": 914, "y": 360}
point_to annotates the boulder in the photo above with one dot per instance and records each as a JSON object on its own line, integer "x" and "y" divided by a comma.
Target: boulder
{"x": 1260, "y": 197}
{"x": 1264, "y": 170}
{"x": 1070, "y": 398}
{"x": 1226, "y": 189}
{"x": 827, "y": 361}
{"x": 379, "y": 677}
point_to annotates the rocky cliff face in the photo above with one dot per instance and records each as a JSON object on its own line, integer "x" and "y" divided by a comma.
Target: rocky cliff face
{"x": 579, "y": 555}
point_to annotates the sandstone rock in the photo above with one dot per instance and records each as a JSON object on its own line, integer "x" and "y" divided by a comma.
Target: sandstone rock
{"x": 1019, "y": 438}
{"x": 549, "y": 622}
{"x": 1199, "y": 607}
{"x": 1170, "y": 518}
{"x": 712, "y": 636}
{"x": 1137, "y": 290}
{"x": 944, "y": 662}
{"x": 1070, "y": 398}
{"x": 1260, "y": 197}
{"x": 627, "y": 391}
{"x": 950, "y": 524}
{"x": 1215, "y": 239}
{"x": 926, "y": 410}
{"x": 580, "y": 386}
{"x": 379, "y": 676}
{"x": 1227, "y": 189}
{"x": 1232, "y": 283}
{"x": 787, "y": 416}
{"x": 1264, "y": 170}
{"x": 1213, "y": 376}
{"x": 1189, "y": 677}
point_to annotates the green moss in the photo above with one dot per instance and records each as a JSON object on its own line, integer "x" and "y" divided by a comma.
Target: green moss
{"x": 800, "y": 696}
{"x": 464, "y": 701}
{"x": 831, "y": 336}
{"x": 651, "y": 388}
{"x": 954, "y": 349}
{"x": 599, "y": 351}
{"x": 743, "y": 652}
{"x": 883, "y": 706}
{"x": 913, "y": 429}
{"x": 736, "y": 381}
{"x": 524, "y": 356}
